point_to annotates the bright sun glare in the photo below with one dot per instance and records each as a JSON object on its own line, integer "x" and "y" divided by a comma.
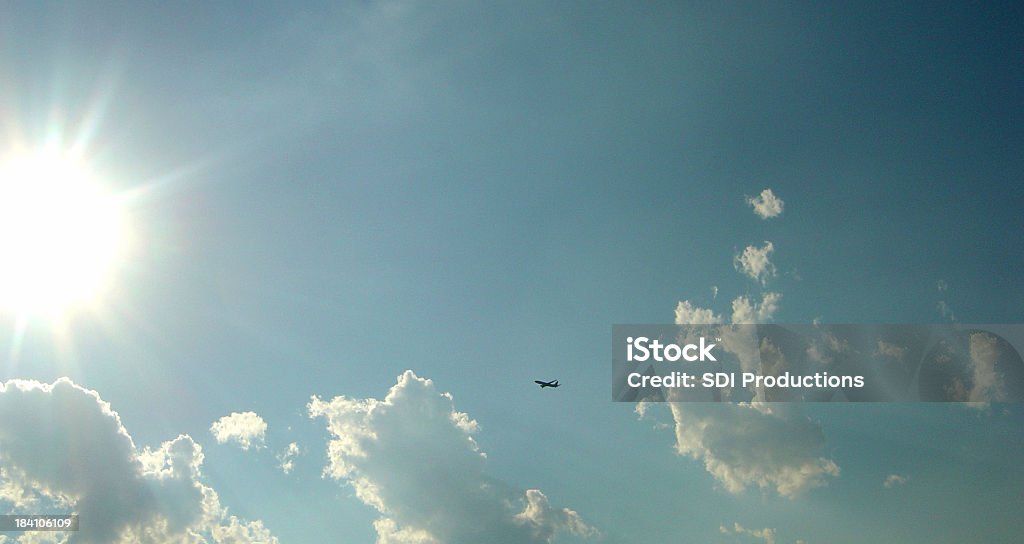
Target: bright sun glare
{"x": 61, "y": 233}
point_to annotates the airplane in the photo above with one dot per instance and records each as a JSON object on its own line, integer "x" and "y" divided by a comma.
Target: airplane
{"x": 552, "y": 383}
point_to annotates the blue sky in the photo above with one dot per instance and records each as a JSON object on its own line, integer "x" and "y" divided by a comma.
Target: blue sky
{"x": 334, "y": 193}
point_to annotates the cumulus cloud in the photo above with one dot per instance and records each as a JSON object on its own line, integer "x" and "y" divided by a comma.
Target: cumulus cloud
{"x": 63, "y": 447}
{"x": 755, "y": 262}
{"x": 894, "y": 480}
{"x": 744, "y": 311}
{"x": 766, "y": 534}
{"x": 689, "y": 314}
{"x": 766, "y": 205}
{"x": 287, "y": 457}
{"x": 768, "y": 446}
{"x": 246, "y": 429}
{"x": 413, "y": 458}
{"x": 772, "y": 447}
{"x": 744, "y": 445}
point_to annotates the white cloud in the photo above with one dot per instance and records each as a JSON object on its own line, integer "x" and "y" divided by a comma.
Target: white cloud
{"x": 771, "y": 447}
{"x": 247, "y": 429}
{"x": 766, "y": 534}
{"x": 986, "y": 383}
{"x": 688, "y": 314}
{"x": 890, "y": 351}
{"x": 826, "y": 347}
{"x": 766, "y": 205}
{"x": 942, "y": 286}
{"x": 742, "y": 445}
{"x": 894, "y": 480}
{"x": 755, "y": 262}
{"x": 413, "y": 458}
{"x": 287, "y": 457}
{"x": 149, "y": 496}
{"x": 746, "y": 312}
{"x": 745, "y": 445}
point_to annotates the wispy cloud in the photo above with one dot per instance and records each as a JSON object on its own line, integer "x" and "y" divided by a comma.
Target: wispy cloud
{"x": 942, "y": 306}
{"x": 287, "y": 457}
{"x": 894, "y": 480}
{"x": 413, "y": 458}
{"x": 766, "y": 534}
{"x": 945, "y": 311}
{"x": 246, "y": 429}
{"x": 766, "y": 205}
{"x": 127, "y": 495}
{"x": 890, "y": 351}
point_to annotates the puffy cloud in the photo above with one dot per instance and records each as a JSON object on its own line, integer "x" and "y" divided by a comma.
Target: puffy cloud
{"x": 62, "y": 446}
{"x": 746, "y": 312}
{"x": 827, "y": 347}
{"x": 894, "y": 480}
{"x": 766, "y": 205}
{"x": 942, "y": 286}
{"x": 770, "y": 446}
{"x": 247, "y": 429}
{"x": 766, "y": 534}
{"x": 755, "y": 262}
{"x": 413, "y": 458}
{"x": 688, "y": 314}
{"x": 743, "y": 445}
{"x": 287, "y": 457}
{"x": 751, "y": 444}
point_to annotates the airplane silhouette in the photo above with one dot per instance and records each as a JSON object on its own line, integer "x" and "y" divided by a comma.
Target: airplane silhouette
{"x": 552, "y": 383}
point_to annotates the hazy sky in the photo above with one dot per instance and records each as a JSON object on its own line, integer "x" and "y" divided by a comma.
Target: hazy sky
{"x": 330, "y": 195}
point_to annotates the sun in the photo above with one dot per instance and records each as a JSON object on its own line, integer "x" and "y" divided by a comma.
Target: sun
{"x": 61, "y": 233}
